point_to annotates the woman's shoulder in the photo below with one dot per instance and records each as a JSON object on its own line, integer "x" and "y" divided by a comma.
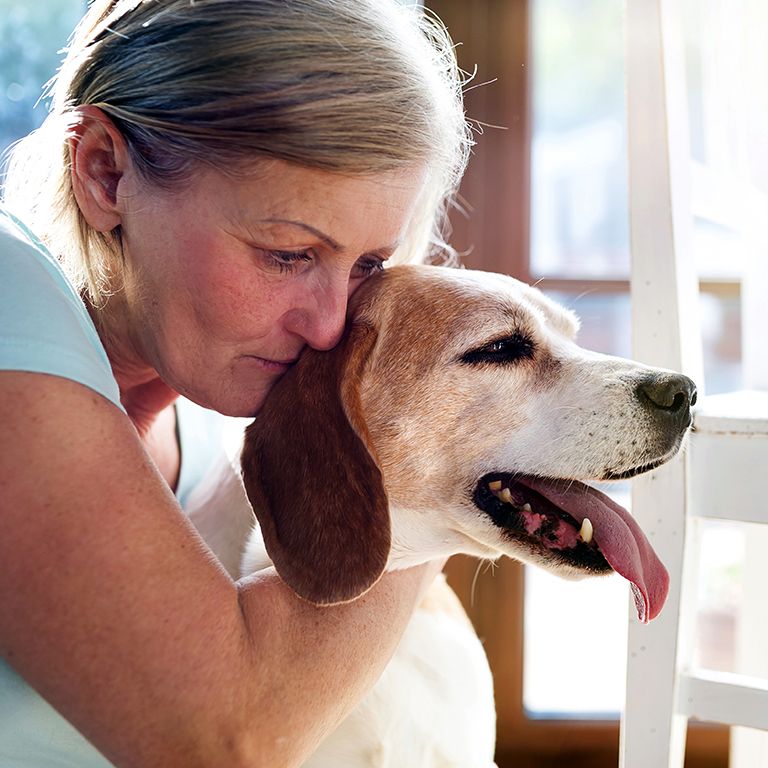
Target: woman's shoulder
{"x": 44, "y": 325}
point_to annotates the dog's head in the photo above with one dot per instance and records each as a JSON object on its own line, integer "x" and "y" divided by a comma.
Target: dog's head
{"x": 457, "y": 415}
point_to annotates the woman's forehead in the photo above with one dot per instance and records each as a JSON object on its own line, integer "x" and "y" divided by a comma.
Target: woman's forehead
{"x": 317, "y": 203}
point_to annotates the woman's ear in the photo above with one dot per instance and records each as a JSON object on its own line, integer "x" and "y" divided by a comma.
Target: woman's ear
{"x": 99, "y": 158}
{"x": 313, "y": 480}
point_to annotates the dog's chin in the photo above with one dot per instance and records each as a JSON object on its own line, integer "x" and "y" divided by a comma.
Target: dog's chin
{"x": 611, "y": 475}
{"x": 536, "y": 531}
{"x": 627, "y": 474}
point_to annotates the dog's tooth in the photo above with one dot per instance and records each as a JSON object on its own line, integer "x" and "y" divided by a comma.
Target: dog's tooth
{"x": 494, "y": 486}
{"x": 586, "y": 530}
{"x": 506, "y": 496}
{"x": 527, "y": 508}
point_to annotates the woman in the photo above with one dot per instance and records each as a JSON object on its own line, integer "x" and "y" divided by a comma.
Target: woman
{"x": 214, "y": 180}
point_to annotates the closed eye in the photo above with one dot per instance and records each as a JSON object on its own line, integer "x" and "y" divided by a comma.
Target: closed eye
{"x": 287, "y": 261}
{"x": 503, "y": 351}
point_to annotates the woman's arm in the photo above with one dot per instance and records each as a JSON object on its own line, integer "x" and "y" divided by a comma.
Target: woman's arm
{"x": 117, "y": 613}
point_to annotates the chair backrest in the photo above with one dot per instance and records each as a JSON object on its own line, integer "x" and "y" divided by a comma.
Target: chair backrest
{"x": 664, "y": 291}
{"x": 664, "y": 280}
{"x": 661, "y": 695}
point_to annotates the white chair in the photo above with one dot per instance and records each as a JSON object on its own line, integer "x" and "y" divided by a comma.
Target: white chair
{"x": 724, "y": 472}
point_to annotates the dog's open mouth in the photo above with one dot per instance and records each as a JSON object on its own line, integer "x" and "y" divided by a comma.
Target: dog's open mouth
{"x": 574, "y": 523}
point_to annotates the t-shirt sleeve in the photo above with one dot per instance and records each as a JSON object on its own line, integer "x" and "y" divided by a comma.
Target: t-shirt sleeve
{"x": 44, "y": 326}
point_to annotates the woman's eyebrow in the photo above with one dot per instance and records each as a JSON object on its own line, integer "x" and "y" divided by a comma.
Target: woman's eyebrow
{"x": 382, "y": 253}
{"x": 329, "y": 241}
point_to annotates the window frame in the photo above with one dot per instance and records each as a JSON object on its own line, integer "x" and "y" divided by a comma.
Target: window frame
{"x": 493, "y": 233}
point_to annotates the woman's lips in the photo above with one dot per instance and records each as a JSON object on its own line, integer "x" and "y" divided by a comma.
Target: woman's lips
{"x": 273, "y": 366}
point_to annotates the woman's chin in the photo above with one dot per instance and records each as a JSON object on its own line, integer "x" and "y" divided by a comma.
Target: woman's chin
{"x": 232, "y": 390}
{"x": 241, "y": 401}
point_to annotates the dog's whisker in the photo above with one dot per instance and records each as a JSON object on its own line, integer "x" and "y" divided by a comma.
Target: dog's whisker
{"x": 474, "y": 584}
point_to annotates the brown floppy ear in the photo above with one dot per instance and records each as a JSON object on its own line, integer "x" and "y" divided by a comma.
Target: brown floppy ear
{"x": 312, "y": 479}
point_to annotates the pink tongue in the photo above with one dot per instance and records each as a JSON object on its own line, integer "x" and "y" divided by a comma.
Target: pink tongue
{"x": 619, "y": 537}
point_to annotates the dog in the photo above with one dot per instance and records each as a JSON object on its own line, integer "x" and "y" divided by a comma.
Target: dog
{"x": 456, "y": 415}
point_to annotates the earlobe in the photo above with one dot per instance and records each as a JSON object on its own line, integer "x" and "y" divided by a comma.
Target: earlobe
{"x": 99, "y": 159}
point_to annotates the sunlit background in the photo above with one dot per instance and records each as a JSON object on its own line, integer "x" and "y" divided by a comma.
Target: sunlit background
{"x": 580, "y": 241}
{"x": 580, "y": 232}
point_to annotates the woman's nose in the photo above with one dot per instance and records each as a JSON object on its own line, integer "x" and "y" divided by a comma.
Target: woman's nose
{"x": 320, "y": 319}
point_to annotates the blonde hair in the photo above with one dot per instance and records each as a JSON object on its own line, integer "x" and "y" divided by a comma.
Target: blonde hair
{"x": 351, "y": 86}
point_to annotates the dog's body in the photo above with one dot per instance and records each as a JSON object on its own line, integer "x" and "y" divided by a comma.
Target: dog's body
{"x": 433, "y": 706}
{"x": 456, "y": 415}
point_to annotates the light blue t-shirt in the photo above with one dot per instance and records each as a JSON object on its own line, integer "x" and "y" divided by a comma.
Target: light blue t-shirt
{"x": 45, "y": 328}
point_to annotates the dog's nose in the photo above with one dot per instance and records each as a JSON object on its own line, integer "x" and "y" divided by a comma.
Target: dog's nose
{"x": 672, "y": 393}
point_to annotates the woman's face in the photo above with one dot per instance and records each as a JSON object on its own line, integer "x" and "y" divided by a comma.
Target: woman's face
{"x": 227, "y": 280}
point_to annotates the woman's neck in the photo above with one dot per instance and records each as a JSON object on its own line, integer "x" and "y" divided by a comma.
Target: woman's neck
{"x": 143, "y": 393}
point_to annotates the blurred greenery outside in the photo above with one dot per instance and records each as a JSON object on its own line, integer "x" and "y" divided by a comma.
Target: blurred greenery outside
{"x": 32, "y": 39}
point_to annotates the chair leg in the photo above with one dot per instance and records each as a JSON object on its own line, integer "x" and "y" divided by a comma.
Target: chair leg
{"x": 652, "y": 734}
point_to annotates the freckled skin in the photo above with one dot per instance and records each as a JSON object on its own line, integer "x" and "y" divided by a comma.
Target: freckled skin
{"x": 206, "y": 303}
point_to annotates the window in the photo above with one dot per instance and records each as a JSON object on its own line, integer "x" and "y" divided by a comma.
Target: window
{"x": 546, "y": 201}
{"x": 580, "y": 251}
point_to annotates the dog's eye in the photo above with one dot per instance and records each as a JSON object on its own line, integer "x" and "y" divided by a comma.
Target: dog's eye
{"x": 510, "y": 349}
